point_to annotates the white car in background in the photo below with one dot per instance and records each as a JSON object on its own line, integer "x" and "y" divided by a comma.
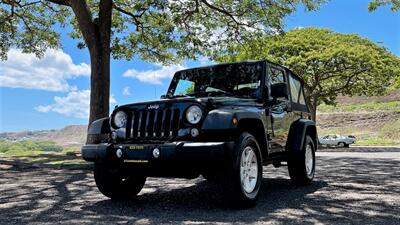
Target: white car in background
{"x": 337, "y": 140}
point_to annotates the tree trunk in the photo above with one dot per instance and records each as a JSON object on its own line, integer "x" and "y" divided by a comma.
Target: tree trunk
{"x": 100, "y": 63}
{"x": 99, "y": 83}
{"x": 313, "y": 111}
{"x": 97, "y": 35}
{"x": 313, "y": 102}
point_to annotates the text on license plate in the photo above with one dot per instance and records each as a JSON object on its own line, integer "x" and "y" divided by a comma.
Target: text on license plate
{"x": 136, "y": 147}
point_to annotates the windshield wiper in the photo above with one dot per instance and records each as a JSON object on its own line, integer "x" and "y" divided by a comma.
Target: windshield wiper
{"x": 178, "y": 96}
{"x": 221, "y": 93}
{"x": 203, "y": 93}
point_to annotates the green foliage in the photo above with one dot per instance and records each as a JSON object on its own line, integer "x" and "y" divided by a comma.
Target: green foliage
{"x": 39, "y": 152}
{"x": 154, "y": 30}
{"x": 330, "y": 63}
{"x": 364, "y": 107}
{"x": 190, "y": 89}
{"x": 395, "y": 4}
{"x": 27, "y": 146}
{"x": 29, "y": 26}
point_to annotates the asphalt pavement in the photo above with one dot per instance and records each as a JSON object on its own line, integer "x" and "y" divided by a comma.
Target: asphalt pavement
{"x": 349, "y": 188}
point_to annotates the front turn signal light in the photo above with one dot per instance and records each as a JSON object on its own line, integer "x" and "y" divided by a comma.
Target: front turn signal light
{"x": 234, "y": 121}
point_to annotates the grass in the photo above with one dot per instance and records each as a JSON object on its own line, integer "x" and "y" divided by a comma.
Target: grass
{"x": 39, "y": 152}
{"x": 387, "y": 135}
{"x": 378, "y": 142}
{"x": 362, "y": 107}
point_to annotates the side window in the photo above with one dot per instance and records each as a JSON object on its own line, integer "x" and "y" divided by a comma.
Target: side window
{"x": 295, "y": 88}
{"x": 275, "y": 76}
{"x": 296, "y": 91}
{"x": 302, "y": 99}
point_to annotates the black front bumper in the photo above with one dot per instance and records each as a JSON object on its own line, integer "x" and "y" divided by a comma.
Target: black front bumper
{"x": 170, "y": 153}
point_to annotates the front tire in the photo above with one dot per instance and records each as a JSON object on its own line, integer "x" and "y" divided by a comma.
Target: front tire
{"x": 115, "y": 185}
{"x": 301, "y": 164}
{"x": 243, "y": 177}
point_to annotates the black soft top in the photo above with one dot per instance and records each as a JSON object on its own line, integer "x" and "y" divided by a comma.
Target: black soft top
{"x": 242, "y": 62}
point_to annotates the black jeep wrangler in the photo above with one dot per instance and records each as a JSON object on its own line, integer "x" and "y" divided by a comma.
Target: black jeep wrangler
{"x": 223, "y": 122}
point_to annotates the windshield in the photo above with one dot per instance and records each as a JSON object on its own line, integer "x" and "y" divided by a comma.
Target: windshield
{"x": 240, "y": 80}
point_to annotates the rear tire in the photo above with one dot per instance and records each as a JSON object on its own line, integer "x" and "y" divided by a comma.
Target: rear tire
{"x": 301, "y": 164}
{"x": 242, "y": 178}
{"x": 115, "y": 185}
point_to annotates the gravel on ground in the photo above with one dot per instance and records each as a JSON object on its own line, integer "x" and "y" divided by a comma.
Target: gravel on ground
{"x": 349, "y": 188}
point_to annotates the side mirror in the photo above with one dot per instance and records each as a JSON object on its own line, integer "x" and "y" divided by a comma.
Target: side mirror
{"x": 163, "y": 96}
{"x": 279, "y": 90}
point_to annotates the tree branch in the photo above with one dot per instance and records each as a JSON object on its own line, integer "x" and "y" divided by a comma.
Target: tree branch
{"x": 139, "y": 24}
{"x": 85, "y": 21}
{"x": 105, "y": 13}
{"x": 346, "y": 84}
{"x": 223, "y": 11}
{"x": 60, "y": 2}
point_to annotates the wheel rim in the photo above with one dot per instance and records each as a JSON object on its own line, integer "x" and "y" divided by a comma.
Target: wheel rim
{"x": 341, "y": 145}
{"x": 309, "y": 161}
{"x": 248, "y": 169}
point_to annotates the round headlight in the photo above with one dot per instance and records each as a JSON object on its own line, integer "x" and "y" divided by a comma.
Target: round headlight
{"x": 193, "y": 114}
{"x": 120, "y": 119}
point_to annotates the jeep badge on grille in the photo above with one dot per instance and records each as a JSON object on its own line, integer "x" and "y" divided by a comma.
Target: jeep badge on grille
{"x": 153, "y": 106}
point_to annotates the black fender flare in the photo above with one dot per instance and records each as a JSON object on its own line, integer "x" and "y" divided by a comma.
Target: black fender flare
{"x": 297, "y": 132}
{"x": 218, "y": 119}
{"x": 250, "y": 121}
{"x": 98, "y": 131}
{"x": 100, "y": 126}
{"x": 222, "y": 119}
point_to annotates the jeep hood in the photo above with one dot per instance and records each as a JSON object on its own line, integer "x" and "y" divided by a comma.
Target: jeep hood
{"x": 205, "y": 101}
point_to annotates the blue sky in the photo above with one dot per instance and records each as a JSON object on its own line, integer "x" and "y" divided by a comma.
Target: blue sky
{"x": 43, "y": 98}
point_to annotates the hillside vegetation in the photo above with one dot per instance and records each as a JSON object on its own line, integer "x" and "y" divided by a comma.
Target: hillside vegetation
{"x": 39, "y": 152}
{"x": 373, "y": 120}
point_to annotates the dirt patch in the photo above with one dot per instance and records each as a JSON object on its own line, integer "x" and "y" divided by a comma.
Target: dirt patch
{"x": 356, "y": 119}
{"x": 392, "y": 96}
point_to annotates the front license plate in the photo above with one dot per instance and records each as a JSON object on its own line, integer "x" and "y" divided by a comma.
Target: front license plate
{"x": 136, "y": 147}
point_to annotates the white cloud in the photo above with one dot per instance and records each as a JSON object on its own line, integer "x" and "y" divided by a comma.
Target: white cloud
{"x": 75, "y": 104}
{"x": 49, "y": 73}
{"x": 126, "y": 91}
{"x": 153, "y": 76}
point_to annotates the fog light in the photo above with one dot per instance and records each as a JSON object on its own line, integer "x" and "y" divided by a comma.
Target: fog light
{"x": 194, "y": 132}
{"x": 183, "y": 132}
{"x": 114, "y": 135}
{"x": 156, "y": 153}
{"x": 118, "y": 153}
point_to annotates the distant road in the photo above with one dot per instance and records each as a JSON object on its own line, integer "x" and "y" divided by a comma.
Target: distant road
{"x": 377, "y": 146}
{"x": 369, "y": 155}
{"x": 349, "y": 188}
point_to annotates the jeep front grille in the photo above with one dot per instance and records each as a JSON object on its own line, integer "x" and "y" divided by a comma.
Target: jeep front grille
{"x": 153, "y": 124}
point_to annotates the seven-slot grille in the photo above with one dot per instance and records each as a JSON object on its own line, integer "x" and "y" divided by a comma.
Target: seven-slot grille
{"x": 153, "y": 124}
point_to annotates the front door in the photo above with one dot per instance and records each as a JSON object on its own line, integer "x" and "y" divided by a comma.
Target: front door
{"x": 281, "y": 117}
